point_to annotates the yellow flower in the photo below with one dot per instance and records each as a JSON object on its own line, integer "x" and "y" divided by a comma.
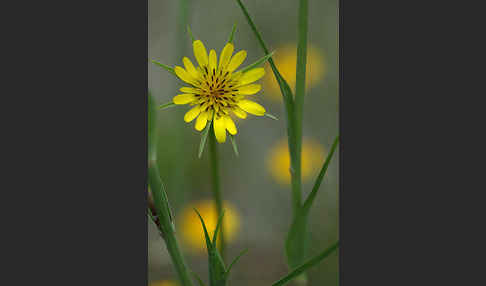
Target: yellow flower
{"x": 278, "y": 162}
{"x": 164, "y": 283}
{"x": 191, "y": 229}
{"x": 285, "y": 58}
{"x": 217, "y": 90}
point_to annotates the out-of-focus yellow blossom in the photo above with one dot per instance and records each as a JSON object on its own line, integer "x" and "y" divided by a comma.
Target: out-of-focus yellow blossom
{"x": 278, "y": 161}
{"x": 285, "y": 58}
{"x": 164, "y": 283}
{"x": 190, "y": 227}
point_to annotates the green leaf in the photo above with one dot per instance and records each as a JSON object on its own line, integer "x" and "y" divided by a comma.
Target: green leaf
{"x": 199, "y": 280}
{"x": 204, "y": 136}
{"x": 230, "y": 40}
{"x": 166, "y": 67}
{"x": 218, "y": 227}
{"x": 235, "y": 147}
{"x": 206, "y": 235}
{"x": 271, "y": 116}
{"x": 166, "y": 105}
{"x": 257, "y": 63}
{"x": 235, "y": 260}
{"x": 284, "y": 87}
{"x": 296, "y": 238}
{"x": 190, "y": 33}
{"x": 310, "y": 199}
{"x": 152, "y": 130}
{"x": 303, "y": 24}
{"x": 216, "y": 265}
{"x": 305, "y": 266}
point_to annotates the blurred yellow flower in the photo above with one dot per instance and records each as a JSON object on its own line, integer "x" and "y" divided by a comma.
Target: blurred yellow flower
{"x": 190, "y": 227}
{"x": 285, "y": 58}
{"x": 164, "y": 283}
{"x": 278, "y": 161}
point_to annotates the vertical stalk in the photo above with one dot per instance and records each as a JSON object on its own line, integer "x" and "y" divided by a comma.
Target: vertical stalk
{"x": 214, "y": 158}
{"x": 166, "y": 224}
{"x": 300, "y": 219}
{"x": 299, "y": 97}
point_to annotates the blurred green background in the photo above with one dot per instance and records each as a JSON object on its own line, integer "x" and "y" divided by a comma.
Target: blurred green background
{"x": 255, "y": 183}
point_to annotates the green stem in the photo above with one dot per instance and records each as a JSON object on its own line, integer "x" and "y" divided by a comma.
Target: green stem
{"x": 166, "y": 224}
{"x": 213, "y": 150}
{"x": 299, "y": 102}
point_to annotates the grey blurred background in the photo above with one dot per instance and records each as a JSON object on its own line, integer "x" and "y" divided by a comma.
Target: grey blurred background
{"x": 250, "y": 183}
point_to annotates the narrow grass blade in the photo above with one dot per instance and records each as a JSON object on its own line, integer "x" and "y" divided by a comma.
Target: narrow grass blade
{"x": 257, "y": 63}
{"x": 235, "y": 147}
{"x": 199, "y": 280}
{"x": 271, "y": 116}
{"x": 166, "y": 67}
{"x": 295, "y": 242}
{"x": 230, "y": 40}
{"x": 206, "y": 235}
{"x": 303, "y": 24}
{"x": 190, "y": 33}
{"x": 234, "y": 261}
{"x": 218, "y": 227}
{"x": 284, "y": 87}
{"x": 217, "y": 269}
{"x": 310, "y": 199}
{"x": 204, "y": 136}
{"x": 166, "y": 105}
{"x": 304, "y": 267}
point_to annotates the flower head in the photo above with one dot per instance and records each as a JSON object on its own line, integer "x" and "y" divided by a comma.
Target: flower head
{"x": 192, "y": 231}
{"x": 217, "y": 90}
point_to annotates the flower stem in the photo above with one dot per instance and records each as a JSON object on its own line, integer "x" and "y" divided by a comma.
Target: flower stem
{"x": 214, "y": 158}
{"x": 166, "y": 224}
{"x": 299, "y": 101}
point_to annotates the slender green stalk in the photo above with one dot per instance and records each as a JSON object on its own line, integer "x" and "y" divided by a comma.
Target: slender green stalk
{"x": 166, "y": 224}
{"x": 299, "y": 101}
{"x": 214, "y": 158}
{"x": 304, "y": 267}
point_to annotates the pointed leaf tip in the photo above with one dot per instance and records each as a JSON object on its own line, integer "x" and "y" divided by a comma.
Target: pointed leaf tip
{"x": 206, "y": 234}
{"x": 204, "y": 137}
{"x": 218, "y": 227}
{"x": 235, "y": 260}
{"x": 235, "y": 146}
{"x": 271, "y": 116}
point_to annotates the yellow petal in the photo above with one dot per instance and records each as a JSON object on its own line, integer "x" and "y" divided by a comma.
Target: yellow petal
{"x": 191, "y": 114}
{"x": 213, "y": 60}
{"x": 184, "y": 98}
{"x": 201, "y": 121}
{"x": 226, "y": 55}
{"x": 251, "y": 76}
{"x": 190, "y": 90}
{"x": 249, "y": 89}
{"x": 200, "y": 53}
{"x": 239, "y": 112}
{"x": 230, "y": 125}
{"x": 219, "y": 129}
{"x": 251, "y": 107}
{"x": 237, "y": 60}
{"x": 183, "y": 75}
{"x": 190, "y": 67}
